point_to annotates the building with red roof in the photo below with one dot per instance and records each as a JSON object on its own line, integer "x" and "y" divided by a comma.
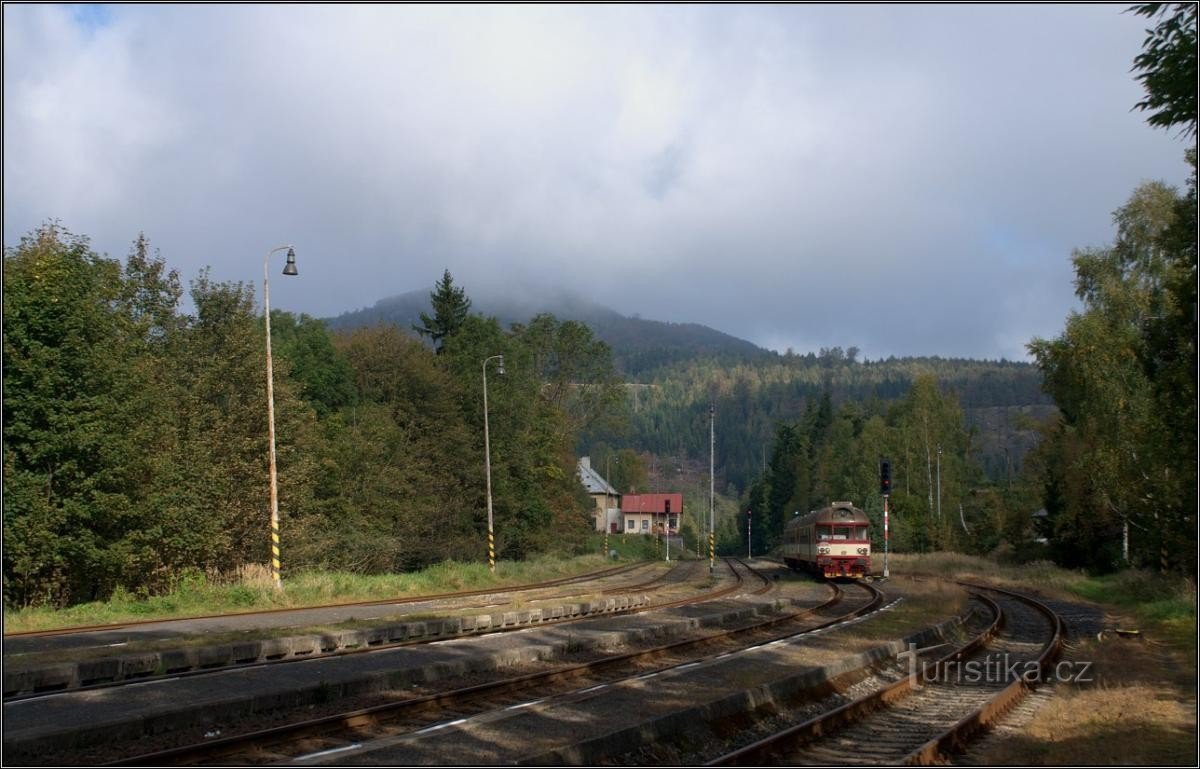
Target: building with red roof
{"x": 651, "y": 513}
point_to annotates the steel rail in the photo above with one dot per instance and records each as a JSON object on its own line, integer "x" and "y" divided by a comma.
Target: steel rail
{"x": 373, "y": 648}
{"x": 956, "y": 737}
{"x": 374, "y": 602}
{"x": 380, "y": 714}
{"x": 763, "y": 751}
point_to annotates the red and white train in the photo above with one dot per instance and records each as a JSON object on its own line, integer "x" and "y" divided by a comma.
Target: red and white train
{"x": 834, "y": 541}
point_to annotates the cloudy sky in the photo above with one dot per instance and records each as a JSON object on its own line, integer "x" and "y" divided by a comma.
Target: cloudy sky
{"x": 907, "y": 179}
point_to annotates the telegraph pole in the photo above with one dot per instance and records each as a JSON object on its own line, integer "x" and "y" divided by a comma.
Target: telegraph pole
{"x": 607, "y": 502}
{"x": 939, "y": 481}
{"x": 749, "y": 542}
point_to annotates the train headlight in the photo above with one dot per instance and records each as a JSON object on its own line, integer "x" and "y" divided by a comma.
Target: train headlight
{"x": 862, "y": 551}
{"x": 823, "y": 551}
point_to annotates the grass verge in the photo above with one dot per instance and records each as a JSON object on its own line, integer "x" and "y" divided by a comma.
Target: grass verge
{"x": 1161, "y": 605}
{"x": 252, "y": 590}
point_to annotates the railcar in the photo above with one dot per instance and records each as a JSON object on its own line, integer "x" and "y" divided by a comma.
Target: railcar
{"x": 834, "y": 542}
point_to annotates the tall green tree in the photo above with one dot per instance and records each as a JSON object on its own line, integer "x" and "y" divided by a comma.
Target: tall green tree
{"x": 322, "y": 373}
{"x": 397, "y": 469}
{"x": 82, "y": 336}
{"x": 1132, "y": 467}
{"x": 450, "y": 310}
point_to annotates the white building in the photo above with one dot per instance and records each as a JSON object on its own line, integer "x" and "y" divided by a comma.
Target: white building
{"x": 607, "y": 512}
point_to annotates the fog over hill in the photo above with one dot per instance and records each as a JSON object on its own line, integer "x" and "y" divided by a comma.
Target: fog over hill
{"x": 639, "y": 345}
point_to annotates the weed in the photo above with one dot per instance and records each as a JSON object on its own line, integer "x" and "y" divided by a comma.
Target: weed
{"x": 251, "y": 587}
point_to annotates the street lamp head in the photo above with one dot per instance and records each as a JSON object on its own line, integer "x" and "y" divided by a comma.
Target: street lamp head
{"x": 500, "y": 366}
{"x": 290, "y": 267}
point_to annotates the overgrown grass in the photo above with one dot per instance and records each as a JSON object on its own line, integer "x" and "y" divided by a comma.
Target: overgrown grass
{"x": 925, "y": 603}
{"x": 252, "y": 590}
{"x": 1164, "y": 605}
{"x": 629, "y": 547}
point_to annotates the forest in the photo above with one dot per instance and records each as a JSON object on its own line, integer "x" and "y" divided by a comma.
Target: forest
{"x": 135, "y": 434}
{"x": 135, "y": 430}
{"x": 1115, "y": 467}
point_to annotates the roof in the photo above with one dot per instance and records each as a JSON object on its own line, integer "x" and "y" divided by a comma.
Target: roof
{"x": 592, "y": 481}
{"x": 837, "y": 513}
{"x": 651, "y": 503}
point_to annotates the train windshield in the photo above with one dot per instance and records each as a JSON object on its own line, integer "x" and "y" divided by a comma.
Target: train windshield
{"x": 842, "y": 532}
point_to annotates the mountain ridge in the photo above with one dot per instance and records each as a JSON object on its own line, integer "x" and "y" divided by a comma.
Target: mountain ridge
{"x": 639, "y": 345}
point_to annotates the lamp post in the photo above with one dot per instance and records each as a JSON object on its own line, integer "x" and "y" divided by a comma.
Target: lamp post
{"x": 487, "y": 458}
{"x": 289, "y": 269}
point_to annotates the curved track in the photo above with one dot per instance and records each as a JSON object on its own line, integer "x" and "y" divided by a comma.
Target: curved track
{"x": 934, "y": 710}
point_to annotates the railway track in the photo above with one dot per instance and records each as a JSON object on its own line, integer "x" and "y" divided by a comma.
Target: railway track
{"x": 351, "y": 733}
{"x": 676, "y": 576}
{"x": 81, "y": 629}
{"x": 936, "y": 709}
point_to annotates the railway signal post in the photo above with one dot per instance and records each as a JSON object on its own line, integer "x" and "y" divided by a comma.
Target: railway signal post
{"x": 885, "y": 488}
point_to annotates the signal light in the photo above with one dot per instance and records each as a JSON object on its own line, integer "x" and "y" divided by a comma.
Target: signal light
{"x": 885, "y": 478}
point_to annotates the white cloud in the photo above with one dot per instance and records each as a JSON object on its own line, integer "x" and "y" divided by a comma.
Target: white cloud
{"x": 778, "y": 172}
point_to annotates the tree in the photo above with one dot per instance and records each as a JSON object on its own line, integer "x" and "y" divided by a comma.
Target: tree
{"x": 398, "y": 471}
{"x": 1167, "y": 65}
{"x": 576, "y": 371}
{"x": 323, "y": 375}
{"x": 82, "y": 340}
{"x": 1132, "y": 465}
{"x": 450, "y": 310}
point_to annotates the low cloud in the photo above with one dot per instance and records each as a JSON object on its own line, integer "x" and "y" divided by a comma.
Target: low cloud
{"x": 908, "y": 180}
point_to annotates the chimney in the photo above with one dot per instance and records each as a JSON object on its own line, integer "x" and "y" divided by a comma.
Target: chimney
{"x": 585, "y": 462}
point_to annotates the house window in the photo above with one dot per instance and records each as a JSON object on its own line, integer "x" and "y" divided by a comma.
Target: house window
{"x": 645, "y": 524}
{"x": 674, "y": 523}
{"x": 630, "y": 525}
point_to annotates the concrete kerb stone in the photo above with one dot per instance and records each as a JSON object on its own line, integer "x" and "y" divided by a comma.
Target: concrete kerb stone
{"x": 398, "y": 678}
{"x": 596, "y": 750}
{"x": 68, "y": 675}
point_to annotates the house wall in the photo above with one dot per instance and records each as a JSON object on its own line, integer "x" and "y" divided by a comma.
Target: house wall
{"x": 644, "y": 523}
{"x": 599, "y": 519}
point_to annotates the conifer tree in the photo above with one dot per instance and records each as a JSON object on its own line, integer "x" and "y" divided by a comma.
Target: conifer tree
{"x": 450, "y": 309}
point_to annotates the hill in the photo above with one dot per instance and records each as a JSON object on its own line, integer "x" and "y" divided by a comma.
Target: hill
{"x": 639, "y": 345}
{"x": 685, "y": 366}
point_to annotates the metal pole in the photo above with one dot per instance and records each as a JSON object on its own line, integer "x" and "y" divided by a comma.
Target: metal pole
{"x": 487, "y": 461}
{"x": 749, "y": 545}
{"x": 885, "y": 536}
{"x": 275, "y": 564}
{"x": 712, "y": 537}
{"x": 939, "y": 481}
{"x": 607, "y": 503}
